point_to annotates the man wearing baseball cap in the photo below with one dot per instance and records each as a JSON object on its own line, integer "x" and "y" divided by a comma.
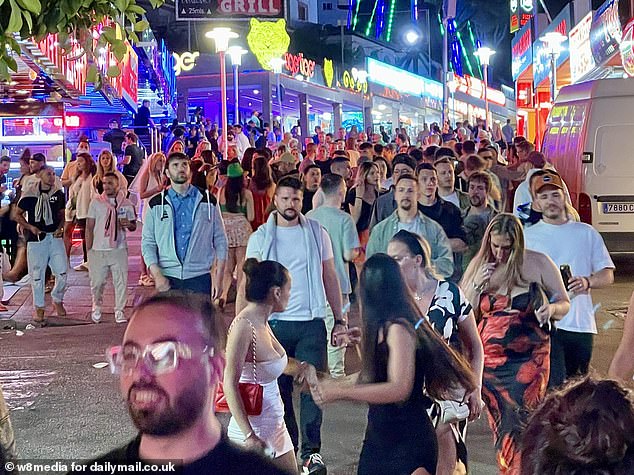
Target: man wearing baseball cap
{"x": 580, "y": 247}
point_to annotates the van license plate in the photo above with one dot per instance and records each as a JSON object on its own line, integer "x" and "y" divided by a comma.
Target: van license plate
{"x": 618, "y": 207}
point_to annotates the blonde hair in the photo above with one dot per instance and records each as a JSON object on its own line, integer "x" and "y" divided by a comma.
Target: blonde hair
{"x": 504, "y": 224}
{"x": 202, "y": 145}
{"x": 113, "y": 165}
{"x": 364, "y": 170}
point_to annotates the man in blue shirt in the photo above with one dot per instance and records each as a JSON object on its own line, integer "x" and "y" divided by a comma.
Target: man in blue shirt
{"x": 183, "y": 234}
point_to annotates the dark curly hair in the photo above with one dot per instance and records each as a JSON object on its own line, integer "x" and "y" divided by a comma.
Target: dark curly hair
{"x": 587, "y": 428}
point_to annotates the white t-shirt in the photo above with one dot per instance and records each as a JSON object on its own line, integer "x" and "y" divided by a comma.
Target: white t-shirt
{"x": 582, "y": 248}
{"x": 99, "y": 212}
{"x": 291, "y": 253}
{"x": 414, "y": 226}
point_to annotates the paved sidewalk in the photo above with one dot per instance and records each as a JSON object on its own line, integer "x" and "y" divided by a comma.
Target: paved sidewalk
{"x": 78, "y": 301}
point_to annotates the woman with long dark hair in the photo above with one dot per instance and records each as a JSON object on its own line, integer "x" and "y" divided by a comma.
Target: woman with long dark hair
{"x": 517, "y": 293}
{"x": 236, "y": 205}
{"x": 448, "y": 311}
{"x": 402, "y": 354}
{"x": 79, "y": 197}
{"x": 262, "y": 187}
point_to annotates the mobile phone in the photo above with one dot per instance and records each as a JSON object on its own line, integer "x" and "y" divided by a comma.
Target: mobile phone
{"x": 566, "y": 274}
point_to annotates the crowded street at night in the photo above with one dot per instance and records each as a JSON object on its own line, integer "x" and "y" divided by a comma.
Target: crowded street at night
{"x": 371, "y": 237}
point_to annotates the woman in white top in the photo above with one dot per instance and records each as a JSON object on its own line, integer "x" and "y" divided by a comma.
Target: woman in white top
{"x": 79, "y": 196}
{"x": 107, "y": 164}
{"x": 150, "y": 182}
{"x": 267, "y": 290}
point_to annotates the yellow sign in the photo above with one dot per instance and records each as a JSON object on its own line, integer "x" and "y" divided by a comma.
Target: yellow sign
{"x": 353, "y": 82}
{"x": 268, "y": 40}
{"x": 329, "y": 72}
{"x": 185, "y": 61}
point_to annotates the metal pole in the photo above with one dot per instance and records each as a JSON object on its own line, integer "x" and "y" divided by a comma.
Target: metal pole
{"x": 453, "y": 106}
{"x": 223, "y": 102}
{"x": 486, "y": 95}
{"x": 553, "y": 78}
{"x": 444, "y": 74}
{"x": 279, "y": 103}
{"x": 236, "y": 93}
{"x": 428, "y": 34}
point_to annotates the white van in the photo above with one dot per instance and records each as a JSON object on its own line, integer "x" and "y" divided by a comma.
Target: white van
{"x": 589, "y": 138}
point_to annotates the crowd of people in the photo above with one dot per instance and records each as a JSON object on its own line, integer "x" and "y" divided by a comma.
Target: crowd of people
{"x": 460, "y": 247}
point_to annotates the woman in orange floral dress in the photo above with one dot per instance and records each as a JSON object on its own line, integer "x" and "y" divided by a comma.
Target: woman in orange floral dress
{"x": 518, "y": 293}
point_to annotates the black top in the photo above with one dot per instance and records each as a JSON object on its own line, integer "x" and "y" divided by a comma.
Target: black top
{"x": 448, "y": 215}
{"x": 58, "y": 203}
{"x": 225, "y": 458}
{"x": 142, "y": 116}
{"x": 307, "y": 203}
{"x": 366, "y": 209}
{"x": 137, "y": 154}
{"x": 115, "y": 137}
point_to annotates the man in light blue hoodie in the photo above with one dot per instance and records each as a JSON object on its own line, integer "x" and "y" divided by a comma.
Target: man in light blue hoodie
{"x": 183, "y": 234}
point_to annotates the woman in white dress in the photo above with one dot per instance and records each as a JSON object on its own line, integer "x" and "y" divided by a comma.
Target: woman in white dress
{"x": 268, "y": 287}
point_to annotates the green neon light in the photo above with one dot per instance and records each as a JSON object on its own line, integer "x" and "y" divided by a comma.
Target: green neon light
{"x": 442, "y": 26}
{"x": 390, "y": 20}
{"x": 367, "y": 29}
{"x": 356, "y": 15}
{"x": 464, "y": 53}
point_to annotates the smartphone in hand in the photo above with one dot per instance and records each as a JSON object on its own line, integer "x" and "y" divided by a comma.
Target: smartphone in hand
{"x": 566, "y": 274}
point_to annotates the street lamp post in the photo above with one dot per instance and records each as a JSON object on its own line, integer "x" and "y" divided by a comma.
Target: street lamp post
{"x": 236, "y": 52}
{"x": 221, "y": 37}
{"x": 276, "y": 64}
{"x": 453, "y": 86}
{"x": 484, "y": 53}
{"x": 553, "y": 41}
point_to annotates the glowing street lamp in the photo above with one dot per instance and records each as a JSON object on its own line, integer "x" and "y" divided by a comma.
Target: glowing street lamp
{"x": 276, "y": 64}
{"x": 484, "y": 54}
{"x": 235, "y": 53}
{"x": 221, "y": 37}
{"x": 553, "y": 42}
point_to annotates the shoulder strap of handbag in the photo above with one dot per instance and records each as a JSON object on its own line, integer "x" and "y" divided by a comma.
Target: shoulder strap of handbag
{"x": 253, "y": 345}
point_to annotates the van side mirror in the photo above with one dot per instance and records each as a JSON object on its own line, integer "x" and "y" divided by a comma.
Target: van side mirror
{"x": 587, "y": 157}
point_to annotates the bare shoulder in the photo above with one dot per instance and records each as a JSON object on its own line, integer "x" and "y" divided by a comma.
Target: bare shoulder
{"x": 537, "y": 263}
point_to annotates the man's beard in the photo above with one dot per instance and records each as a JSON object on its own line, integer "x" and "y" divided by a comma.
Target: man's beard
{"x": 289, "y": 217}
{"x": 171, "y": 420}
{"x": 476, "y": 201}
{"x": 553, "y": 212}
{"x": 179, "y": 180}
{"x": 405, "y": 205}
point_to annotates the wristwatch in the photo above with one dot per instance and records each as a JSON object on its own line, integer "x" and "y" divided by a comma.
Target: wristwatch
{"x": 340, "y": 321}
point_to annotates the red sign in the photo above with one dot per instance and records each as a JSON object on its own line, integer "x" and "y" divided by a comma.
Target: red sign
{"x": 627, "y": 48}
{"x": 297, "y": 64}
{"x": 73, "y": 70}
{"x": 250, "y": 7}
{"x": 71, "y": 121}
{"x": 475, "y": 88}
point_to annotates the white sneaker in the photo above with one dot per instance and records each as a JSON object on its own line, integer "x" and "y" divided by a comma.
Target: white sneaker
{"x": 83, "y": 267}
{"x": 96, "y": 315}
{"x": 119, "y": 317}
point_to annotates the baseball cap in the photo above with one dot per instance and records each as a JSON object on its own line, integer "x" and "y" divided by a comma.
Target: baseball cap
{"x": 287, "y": 157}
{"x": 547, "y": 178}
{"x": 38, "y": 157}
{"x": 234, "y": 170}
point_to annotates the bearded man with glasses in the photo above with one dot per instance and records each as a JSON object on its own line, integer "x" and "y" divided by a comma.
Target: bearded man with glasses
{"x": 169, "y": 365}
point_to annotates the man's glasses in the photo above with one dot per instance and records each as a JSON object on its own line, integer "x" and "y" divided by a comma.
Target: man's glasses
{"x": 158, "y": 358}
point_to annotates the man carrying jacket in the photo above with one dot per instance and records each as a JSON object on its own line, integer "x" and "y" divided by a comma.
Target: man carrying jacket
{"x": 184, "y": 234}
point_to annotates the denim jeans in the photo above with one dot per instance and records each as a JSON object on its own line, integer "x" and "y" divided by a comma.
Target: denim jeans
{"x": 195, "y": 285}
{"x": 305, "y": 341}
{"x": 47, "y": 252}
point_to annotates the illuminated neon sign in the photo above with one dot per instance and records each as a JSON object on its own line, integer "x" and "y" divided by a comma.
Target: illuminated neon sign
{"x": 353, "y": 82}
{"x": 297, "y": 64}
{"x": 71, "y": 121}
{"x": 403, "y": 81}
{"x": 185, "y": 61}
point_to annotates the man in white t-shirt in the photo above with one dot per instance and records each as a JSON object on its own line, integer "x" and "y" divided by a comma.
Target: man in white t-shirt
{"x": 302, "y": 246}
{"x": 109, "y": 216}
{"x": 581, "y": 247}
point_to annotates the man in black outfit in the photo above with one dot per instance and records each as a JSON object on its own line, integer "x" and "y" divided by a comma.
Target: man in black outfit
{"x": 143, "y": 118}
{"x": 115, "y": 137}
{"x": 446, "y": 214}
{"x": 132, "y": 157}
{"x": 170, "y": 364}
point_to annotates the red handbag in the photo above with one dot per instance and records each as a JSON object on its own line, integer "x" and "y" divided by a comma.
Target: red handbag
{"x": 252, "y": 394}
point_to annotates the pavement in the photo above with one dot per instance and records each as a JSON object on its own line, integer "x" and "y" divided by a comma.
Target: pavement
{"x": 65, "y": 404}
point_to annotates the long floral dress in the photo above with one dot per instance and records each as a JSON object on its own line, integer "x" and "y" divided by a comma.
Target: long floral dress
{"x": 516, "y": 370}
